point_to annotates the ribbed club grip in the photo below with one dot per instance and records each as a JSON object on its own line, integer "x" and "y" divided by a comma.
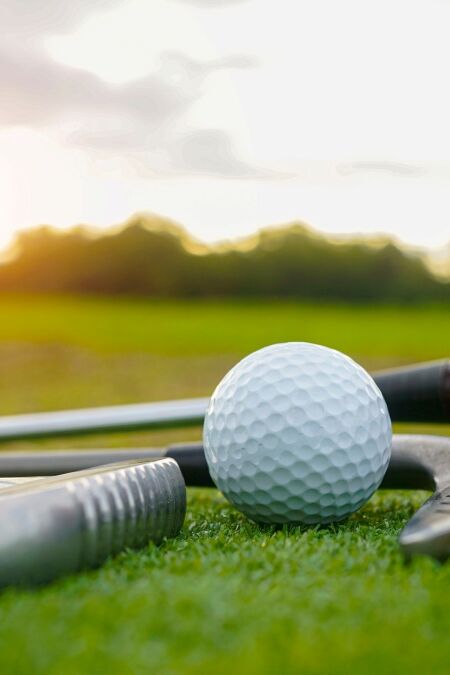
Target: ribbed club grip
{"x": 51, "y": 527}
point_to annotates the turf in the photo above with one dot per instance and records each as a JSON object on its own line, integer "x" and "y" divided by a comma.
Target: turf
{"x": 230, "y": 596}
{"x": 226, "y": 594}
{"x": 212, "y": 328}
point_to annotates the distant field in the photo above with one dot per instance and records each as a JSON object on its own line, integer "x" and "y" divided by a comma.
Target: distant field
{"x": 76, "y": 352}
{"x": 226, "y": 594}
{"x": 381, "y": 334}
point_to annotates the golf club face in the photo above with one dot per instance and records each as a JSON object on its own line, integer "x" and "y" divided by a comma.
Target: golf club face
{"x": 424, "y": 462}
{"x": 414, "y": 393}
{"x": 417, "y": 462}
{"x": 50, "y": 527}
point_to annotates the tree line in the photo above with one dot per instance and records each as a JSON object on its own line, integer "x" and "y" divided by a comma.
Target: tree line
{"x": 152, "y": 257}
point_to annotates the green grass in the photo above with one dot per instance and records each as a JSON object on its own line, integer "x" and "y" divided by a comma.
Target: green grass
{"x": 212, "y": 328}
{"x": 226, "y": 595}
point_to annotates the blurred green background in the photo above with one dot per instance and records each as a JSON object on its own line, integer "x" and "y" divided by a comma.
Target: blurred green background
{"x": 70, "y": 352}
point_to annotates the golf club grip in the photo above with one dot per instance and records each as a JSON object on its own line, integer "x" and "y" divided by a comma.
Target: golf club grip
{"x": 64, "y": 524}
{"x": 417, "y": 393}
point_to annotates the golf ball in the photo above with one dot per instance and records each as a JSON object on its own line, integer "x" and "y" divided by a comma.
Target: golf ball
{"x": 297, "y": 433}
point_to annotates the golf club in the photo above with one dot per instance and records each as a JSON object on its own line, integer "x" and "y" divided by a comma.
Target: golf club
{"x": 419, "y": 393}
{"x": 50, "y": 527}
{"x": 417, "y": 462}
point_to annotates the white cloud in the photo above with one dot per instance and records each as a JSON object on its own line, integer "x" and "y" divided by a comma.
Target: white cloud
{"x": 34, "y": 18}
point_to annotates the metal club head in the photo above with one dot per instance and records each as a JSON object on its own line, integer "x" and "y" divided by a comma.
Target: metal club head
{"x": 54, "y": 526}
{"x": 423, "y": 462}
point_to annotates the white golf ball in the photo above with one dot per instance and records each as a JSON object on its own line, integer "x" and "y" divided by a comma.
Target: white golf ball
{"x": 297, "y": 433}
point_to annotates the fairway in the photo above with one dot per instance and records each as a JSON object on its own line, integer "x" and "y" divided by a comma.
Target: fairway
{"x": 226, "y": 594}
{"x": 379, "y": 334}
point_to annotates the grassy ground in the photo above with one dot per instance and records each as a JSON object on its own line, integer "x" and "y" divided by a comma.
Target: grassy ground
{"x": 226, "y": 594}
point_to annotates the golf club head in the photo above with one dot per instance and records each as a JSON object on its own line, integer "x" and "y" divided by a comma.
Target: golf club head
{"x": 423, "y": 462}
{"x": 50, "y": 527}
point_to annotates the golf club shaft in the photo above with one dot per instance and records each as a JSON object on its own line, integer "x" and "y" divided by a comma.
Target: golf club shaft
{"x": 157, "y": 415}
{"x": 413, "y": 394}
{"x": 190, "y": 457}
{"x": 405, "y": 469}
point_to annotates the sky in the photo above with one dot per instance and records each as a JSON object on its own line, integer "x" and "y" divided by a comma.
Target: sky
{"x": 227, "y": 115}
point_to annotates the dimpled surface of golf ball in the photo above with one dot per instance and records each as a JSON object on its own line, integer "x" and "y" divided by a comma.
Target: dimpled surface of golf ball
{"x": 297, "y": 433}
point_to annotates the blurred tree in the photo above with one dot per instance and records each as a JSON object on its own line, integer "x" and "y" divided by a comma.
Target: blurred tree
{"x": 153, "y": 257}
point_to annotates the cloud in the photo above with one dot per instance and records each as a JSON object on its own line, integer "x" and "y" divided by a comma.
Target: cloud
{"x": 210, "y": 151}
{"x": 145, "y": 116}
{"x": 392, "y": 168}
{"x": 237, "y": 62}
{"x": 35, "y": 18}
{"x": 37, "y": 91}
{"x": 212, "y": 4}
